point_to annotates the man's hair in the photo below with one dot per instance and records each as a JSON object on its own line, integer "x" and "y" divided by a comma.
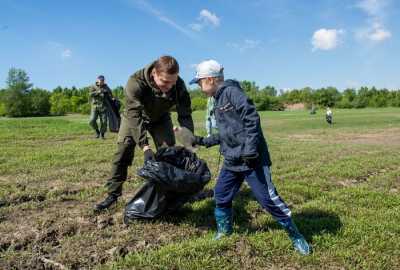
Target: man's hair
{"x": 100, "y": 77}
{"x": 166, "y": 64}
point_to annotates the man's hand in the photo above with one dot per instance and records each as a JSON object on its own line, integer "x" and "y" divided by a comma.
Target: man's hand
{"x": 148, "y": 154}
{"x": 251, "y": 161}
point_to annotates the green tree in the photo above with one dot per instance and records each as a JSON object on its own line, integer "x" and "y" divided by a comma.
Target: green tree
{"x": 18, "y": 79}
{"x": 250, "y": 88}
{"x": 17, "y": 100}
{"x": 3, "y": 93}
{"x": 347, "y": 99}
{"x": 199, "y": 103}
{"x": 270, "y": 91}
{"x": 327, "y": 96}
{"x": 60, "y": 104}
{"x": 39, "y": 102}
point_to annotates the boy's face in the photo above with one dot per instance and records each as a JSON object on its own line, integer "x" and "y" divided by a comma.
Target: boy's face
{"x": 208, "y": 86}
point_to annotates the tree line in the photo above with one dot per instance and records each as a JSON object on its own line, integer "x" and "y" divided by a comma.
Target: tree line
{"x": 21, "y": 99}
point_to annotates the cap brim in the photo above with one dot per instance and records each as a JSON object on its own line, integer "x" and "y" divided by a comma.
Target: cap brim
{"x": 195, "y": 80}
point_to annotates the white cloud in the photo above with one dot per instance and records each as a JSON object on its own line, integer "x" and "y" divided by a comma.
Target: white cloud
{"x": 208, "y": 17}
{"x": 66, "y": 53}
{"x": 327, "y": 39}
{"x": 144, "y": 5}
{"x": 59, "y": 49}
{"x": 372, "y": 7}
{"x": 375, "y": 30}
{"x": 196, "y": 27}
{"x": 375, "y": 33}
{"x": 245, "y": 45}
{"x": 380, "y": 35}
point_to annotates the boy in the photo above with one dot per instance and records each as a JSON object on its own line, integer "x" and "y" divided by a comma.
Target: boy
{"x": 245, "y": 152}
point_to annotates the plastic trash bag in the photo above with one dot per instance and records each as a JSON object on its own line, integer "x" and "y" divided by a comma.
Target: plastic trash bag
{"x": 113, "y": 115}
{"x": 173, "y": 179}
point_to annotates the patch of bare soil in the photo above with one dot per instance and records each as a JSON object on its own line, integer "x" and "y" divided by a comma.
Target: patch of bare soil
{"x": 360, "y": 179}
{"x": 68, "y": 234}
{"x": 389, "y": 137}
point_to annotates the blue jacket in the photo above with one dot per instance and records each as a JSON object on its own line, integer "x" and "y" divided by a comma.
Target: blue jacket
{"x": 239, "y": 127}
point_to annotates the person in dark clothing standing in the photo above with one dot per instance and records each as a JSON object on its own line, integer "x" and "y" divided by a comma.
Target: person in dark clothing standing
{"x": 245, "y": 152}
{"x": 150, "y": 94}
{"x": 97, "y": 94}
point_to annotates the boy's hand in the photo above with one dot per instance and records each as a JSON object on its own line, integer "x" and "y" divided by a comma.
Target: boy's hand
{"x": 197, "y": 140}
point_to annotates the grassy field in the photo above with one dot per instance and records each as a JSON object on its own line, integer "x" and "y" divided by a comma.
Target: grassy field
{"x": 341, "y": 182}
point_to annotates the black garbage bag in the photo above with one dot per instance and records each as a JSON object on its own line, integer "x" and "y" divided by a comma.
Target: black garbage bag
{"x": 113, "y": 115}
{"x": 172, "y": 180}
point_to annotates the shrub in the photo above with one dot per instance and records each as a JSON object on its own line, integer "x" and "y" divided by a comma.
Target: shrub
{"x": 39, "y": 102}
{"x": 60, "y": 104}
{"x": 199, "y": 103}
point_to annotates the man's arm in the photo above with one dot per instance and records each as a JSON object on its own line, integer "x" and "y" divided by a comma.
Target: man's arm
{"x": 184, "y": 106}
{"x": 134, "y": 112}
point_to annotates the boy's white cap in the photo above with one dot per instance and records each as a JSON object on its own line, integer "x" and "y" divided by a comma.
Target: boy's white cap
{"x": 206, "y": 69}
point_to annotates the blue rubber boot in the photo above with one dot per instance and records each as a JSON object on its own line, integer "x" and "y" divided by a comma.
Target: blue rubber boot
{"x": 223, "y": 218}
{"x": 299, "y": 243}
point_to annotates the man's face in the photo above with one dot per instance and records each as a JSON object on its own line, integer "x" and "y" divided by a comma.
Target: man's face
{"x": 208, "y": 86}
{"x": 100, "y": 82}
{"x": 164, "y": 81}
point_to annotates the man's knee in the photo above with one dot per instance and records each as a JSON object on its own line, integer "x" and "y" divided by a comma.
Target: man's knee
{"x": 92, "y": 120}
{"x": 125, "y": 152}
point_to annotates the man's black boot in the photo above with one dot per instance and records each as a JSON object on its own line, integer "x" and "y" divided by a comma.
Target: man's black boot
{"x": 110, "y": 200}
{"x": 97, "y": 134}
{"x": 102, "y": 136}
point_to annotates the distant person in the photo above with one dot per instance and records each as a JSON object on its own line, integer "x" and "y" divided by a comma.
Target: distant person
{"x": 245, "y": 152}
{"x": 329, "y": 116}
{"x": 98, "y": 93}
{"x": 313, "y": 109}
{"x": 211, "y": 124}
{"x": 150, "y": 94}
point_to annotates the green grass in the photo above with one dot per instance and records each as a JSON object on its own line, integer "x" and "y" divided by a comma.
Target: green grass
{"x": 342, "y": 183}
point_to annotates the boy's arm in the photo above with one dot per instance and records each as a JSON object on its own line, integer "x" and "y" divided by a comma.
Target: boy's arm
{"x": 251, "y": 120}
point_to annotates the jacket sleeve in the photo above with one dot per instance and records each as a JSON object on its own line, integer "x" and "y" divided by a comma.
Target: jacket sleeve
{"x": 184, "y": 106}
{"x": 134, "y": 112}
{"x": 251, "y": 120}
{"x": 212, "y": 140}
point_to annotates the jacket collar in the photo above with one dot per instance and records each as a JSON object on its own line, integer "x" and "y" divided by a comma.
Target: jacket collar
{"x": 224, "y": 85}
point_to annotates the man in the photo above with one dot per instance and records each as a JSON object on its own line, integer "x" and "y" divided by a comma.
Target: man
{"x": 329, "y": 116}
{"x": 313, "y": 109}
{"x": 97, "y": 95}
{"x": 150, "y": 94}
{"x": 245, "y": 152}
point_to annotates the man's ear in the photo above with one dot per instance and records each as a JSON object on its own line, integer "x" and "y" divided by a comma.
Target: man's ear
{"x": 153, "y": 72}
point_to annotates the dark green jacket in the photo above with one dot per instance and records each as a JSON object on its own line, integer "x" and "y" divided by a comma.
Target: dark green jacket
{"x": 145, "y": 104}
{"x": 97, "y": 95}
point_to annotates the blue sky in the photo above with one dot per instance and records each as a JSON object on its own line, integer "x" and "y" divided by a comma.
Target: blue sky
{"x": 284, "y": 43}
